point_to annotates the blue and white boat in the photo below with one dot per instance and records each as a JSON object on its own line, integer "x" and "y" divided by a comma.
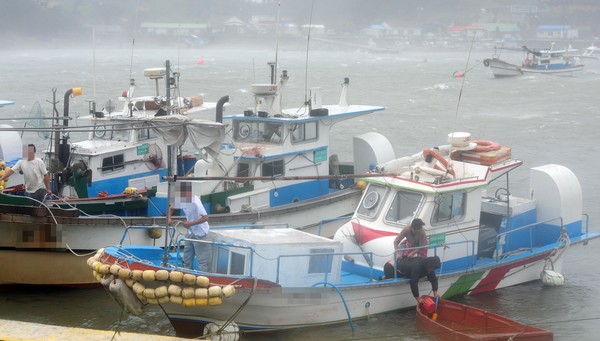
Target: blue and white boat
{"x": 274, "y": 164}
{"x": 274, "y": 279}
{"x": 544, "y": 61}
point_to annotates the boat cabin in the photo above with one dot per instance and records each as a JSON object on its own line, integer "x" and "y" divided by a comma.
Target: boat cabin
{"x": 288, "y": 257}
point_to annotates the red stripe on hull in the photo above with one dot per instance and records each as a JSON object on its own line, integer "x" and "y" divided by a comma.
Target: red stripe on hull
{"x": 365, "y": 234}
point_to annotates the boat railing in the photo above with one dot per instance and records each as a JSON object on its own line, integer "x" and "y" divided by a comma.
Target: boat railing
{"x": 149, "y": 228}
{"x": 470, "y": 244}
{"x": 250, "y": 226}
{"x": 501, "y": 238}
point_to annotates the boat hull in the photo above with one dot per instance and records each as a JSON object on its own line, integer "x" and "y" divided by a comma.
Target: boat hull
{"x": 502, "y": 69}
{"x": 455, "y": 321}
{"x": 552, "y": 70}
{"x": 278, "y": 309}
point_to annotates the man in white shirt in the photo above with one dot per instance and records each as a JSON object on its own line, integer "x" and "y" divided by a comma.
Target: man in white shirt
{"x": 197, "y": 229}
{"x": 37, "y": 180}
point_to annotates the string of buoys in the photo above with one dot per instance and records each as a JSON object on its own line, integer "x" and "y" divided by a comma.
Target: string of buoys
{"x": 132, "y": 288}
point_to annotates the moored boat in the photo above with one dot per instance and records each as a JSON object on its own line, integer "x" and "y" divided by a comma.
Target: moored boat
{"x": 455, "y": 321}
{"x": 284, "y": 278}
{"x": 537, "y": 61}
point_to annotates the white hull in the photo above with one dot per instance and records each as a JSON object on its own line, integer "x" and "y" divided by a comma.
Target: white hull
{"x": 277, "y": 309}
{"x": 502, "y": 69}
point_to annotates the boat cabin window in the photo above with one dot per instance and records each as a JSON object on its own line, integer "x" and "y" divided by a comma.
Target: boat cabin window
{"x": 320, "y": 261}
{"x": 243, "y": 169}
{"x": 146, "y": 134}
{"x": 113, "y": 163}
{"x": 231, "y": 261}
{"x": 248, "y": 131}
{"x": 372, "y": 201}
{"x": 302, "y": 132}
{"x": 449, "y": 207}
{"x": 273, "y": 168}
{"x": 403, "y": 208}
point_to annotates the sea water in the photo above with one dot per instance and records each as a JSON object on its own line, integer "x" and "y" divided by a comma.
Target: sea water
{"x": 545, "y": 119}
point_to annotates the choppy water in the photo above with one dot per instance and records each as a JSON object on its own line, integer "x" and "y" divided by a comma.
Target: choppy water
{"x": 545, "y": 119}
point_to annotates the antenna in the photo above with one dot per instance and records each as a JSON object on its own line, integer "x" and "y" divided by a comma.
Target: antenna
{"x": 274, "y": 74}
{"x": 312, "y": 6}
{"x": 463, "y": 81}
{"x": 137, "y": 7}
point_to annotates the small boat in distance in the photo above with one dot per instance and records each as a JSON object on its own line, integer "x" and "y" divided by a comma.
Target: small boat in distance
{"x": 455, "y": 321}
{"x": 544, "y": 61}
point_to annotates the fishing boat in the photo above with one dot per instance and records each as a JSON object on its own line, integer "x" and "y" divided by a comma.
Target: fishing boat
{"x": 121, "y": 161}
{"x": 591, "y": 52}
{"x": 295, "y": 182}
{"x": 502, "y": 69}
{"x": 542, "y": 61}
{"x": 285, "y": 278}
{"x": 276, "y": 166}
{"x": 455, "y": 321}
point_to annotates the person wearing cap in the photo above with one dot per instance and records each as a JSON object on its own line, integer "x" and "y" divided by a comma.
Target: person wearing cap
{"x": 412, "y": 236}
{"x": 416, "y": 268}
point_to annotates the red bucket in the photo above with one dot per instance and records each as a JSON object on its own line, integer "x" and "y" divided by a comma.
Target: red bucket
{"x": 428, "y": 305}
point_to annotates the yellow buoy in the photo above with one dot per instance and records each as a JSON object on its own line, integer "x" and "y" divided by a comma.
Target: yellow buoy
{"x": 176, "y": 276}
{"x": 138, "y": 288}
{"x": 201, "y": 301}
{"x": 201, "y": 292}
{"x": 163, "y": 300}
{"x": 149, "y": 293}
{"x": 104, "y": 269}
{"x": 152, "y": 300}
{"x": 162, "y": 275}
{"x": 187, "y": 292}
{"x": 361, "y": 184}
{"x": 114, "y": 269}
{"x": 161, "y": 291}
{"x": 176, "y": 299}
{"x": 137, "y": 275}
{"x": 124, "y": 273}
{"x": 189, "y": 279}
{"x": 149, "y": 275}
{"x": 215, "y": 300}
{"x": 202, "y": 281}
{"x": 174, "y": 290}
{"x": 214, "y": 291}
{"x": 228, "y": 290}
{"x": 189, "y": 302}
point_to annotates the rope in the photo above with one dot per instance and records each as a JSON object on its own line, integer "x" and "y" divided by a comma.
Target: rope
{"x": 343, "y": 301}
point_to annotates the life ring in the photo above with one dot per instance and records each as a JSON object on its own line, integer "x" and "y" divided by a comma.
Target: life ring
{"x": 486, "y": 62}
{"x": 486, "y": 146}
{"x": 444, "y": 167}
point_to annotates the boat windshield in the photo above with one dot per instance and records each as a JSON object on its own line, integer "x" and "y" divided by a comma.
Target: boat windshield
{"x": 115, "y": 132}
{"x": 252, "y": 132}
{"x": 403, "y": 207}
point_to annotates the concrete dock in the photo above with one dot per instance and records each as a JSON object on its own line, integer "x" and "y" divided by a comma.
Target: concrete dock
{"x": 16, "y": 331}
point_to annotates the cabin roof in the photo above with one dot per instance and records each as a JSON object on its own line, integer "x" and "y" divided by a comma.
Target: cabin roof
{"x": 301, "y": 114}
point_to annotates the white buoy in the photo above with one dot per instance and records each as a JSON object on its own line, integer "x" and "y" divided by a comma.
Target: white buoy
{"x": 552, "y": 278}
{"x": 230, "y": 333}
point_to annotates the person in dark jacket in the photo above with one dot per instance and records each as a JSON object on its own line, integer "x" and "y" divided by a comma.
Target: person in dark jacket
{"x": 415, "y": 268}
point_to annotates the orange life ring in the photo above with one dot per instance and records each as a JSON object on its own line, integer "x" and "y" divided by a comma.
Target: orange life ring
{"x": 445, "y": 167}
{"x": 486, "y": 146}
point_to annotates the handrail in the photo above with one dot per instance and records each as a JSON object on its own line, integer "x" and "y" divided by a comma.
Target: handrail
{"x": 502, "y": 235}
{"x": 146, "y": 227}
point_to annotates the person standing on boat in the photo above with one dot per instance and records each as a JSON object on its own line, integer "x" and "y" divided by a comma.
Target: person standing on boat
{"x": 37, "y": 180}
{"x": 412, "y": 236}
{"x": 197, "y": 229}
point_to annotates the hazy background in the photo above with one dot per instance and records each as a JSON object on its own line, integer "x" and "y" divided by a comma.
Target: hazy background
{"x": 60, "y": 23}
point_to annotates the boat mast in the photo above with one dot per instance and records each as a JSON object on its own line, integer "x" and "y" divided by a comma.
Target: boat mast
{"x": 165, "y": 259}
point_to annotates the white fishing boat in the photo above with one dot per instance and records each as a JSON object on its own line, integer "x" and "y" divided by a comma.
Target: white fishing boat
{"x": 292, "y": 182}
{"x": 542, "y": 61}
{"x": 502, "y": 69}
{"x": 276, "y": 166}
{"x": 112, "y": 170}
{"x": 276, "y": 279}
